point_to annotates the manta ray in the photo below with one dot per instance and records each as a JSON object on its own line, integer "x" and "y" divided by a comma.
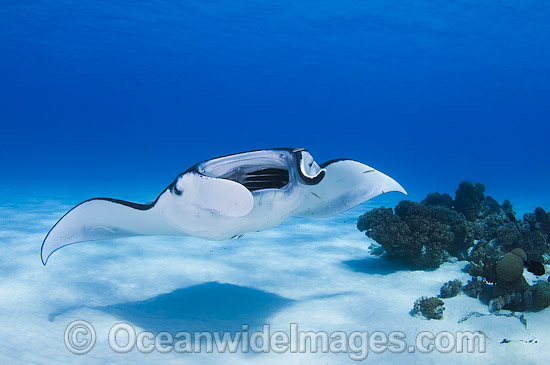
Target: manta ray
{"x": 228, "y": 196}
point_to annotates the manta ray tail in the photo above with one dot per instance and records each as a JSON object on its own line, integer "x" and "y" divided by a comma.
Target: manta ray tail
{"x": 99, "y": 219}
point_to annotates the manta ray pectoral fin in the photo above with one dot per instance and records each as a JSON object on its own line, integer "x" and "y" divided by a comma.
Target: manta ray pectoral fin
{"x": 99, "y": 219}
{"x": 347, "y": 183}
{"x": 173, "y": 213}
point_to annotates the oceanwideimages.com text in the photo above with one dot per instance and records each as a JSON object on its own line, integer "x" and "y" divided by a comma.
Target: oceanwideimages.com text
{"x": 80, "y": 338}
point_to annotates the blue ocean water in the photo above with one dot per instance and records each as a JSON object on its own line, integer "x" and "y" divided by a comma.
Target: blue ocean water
{"x": 119, "y": 96}
{"x": 116, "y": 98}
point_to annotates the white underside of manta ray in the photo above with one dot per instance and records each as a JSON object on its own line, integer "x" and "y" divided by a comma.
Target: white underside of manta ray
{"x": 228, "y": 196}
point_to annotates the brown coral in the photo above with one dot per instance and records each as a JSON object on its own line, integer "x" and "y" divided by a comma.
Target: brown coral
{"x": 510, "y": 267}
{"x": 519, "y": 252}
{"x": 542, "y": 294}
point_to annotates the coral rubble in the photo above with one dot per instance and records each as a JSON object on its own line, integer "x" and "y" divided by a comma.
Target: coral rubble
{"x": 431, "y": 308}
{"x": 450, "y": 289}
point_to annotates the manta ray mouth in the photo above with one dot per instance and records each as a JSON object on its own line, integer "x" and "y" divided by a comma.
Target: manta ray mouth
{"x": 261, "y": 170}
{"x": 256, "y": 170}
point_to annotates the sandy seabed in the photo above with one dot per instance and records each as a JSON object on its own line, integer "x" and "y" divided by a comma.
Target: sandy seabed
{"x": 316, "y": 274}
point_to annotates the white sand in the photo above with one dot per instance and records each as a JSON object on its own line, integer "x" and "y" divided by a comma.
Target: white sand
{"x": 316, "y": 273}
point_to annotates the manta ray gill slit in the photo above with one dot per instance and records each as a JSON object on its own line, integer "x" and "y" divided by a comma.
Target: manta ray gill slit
{"x": 257, "y": 179}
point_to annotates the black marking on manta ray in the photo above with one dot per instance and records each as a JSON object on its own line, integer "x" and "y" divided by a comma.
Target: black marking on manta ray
{"x": 364, "y": 172}
{"x": 315, "y": 195}
{"x": 343, "y": 201}
{"x": 115, "y": 201}
{"x": 306, "y": 179}
{"x": 128, "y": 204}
{"x": 172, "y": 186}
{"x": 330, "y": 162}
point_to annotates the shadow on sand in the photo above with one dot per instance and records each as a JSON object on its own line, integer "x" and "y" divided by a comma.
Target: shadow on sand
{"x": 379, "y": 265}
{"x": 208, "y": 306}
